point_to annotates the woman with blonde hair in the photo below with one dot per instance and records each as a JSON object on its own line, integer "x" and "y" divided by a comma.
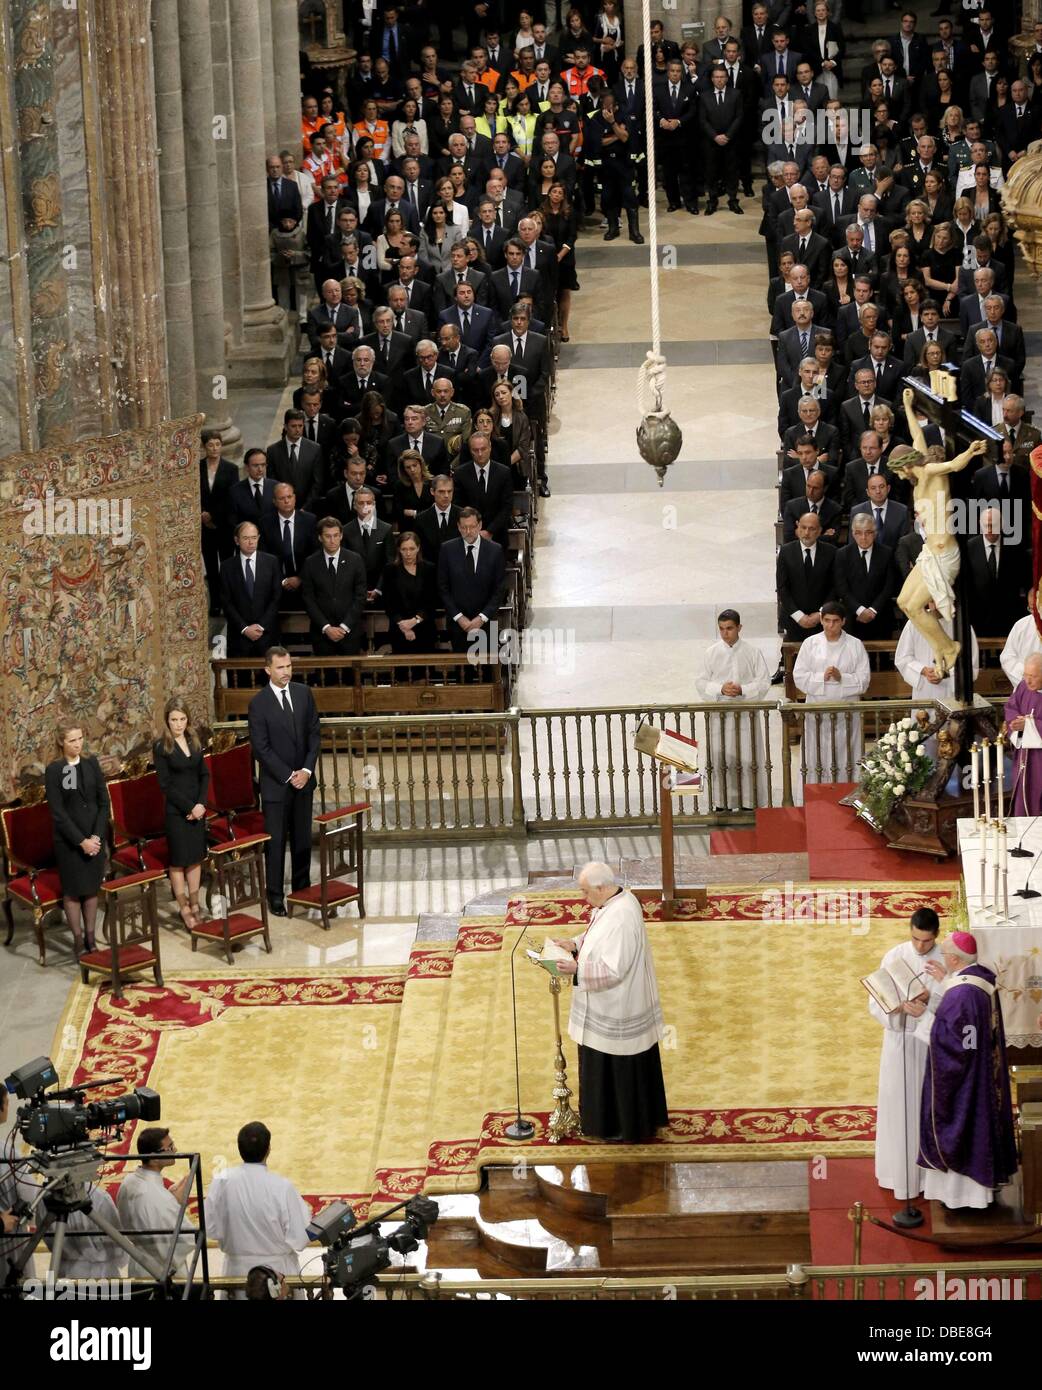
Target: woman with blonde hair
{"x": 79, "y": 805}
{"x": 184, "y": 780}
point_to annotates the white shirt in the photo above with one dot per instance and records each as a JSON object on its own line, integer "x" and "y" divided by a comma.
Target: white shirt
{"x": 145, "y": 1203}
{"x": 1023, "y": 641}
{"x": 257, "y": 1217}
{"x": 914, "y": 652}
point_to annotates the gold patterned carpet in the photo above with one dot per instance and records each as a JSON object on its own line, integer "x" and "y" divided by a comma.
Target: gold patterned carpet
{"x": 382, "y": 1082}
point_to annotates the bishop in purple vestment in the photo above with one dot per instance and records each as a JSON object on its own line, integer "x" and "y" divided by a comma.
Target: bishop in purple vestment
{"x": 966, "y": 1141}
{"x": 1027, "y": 763}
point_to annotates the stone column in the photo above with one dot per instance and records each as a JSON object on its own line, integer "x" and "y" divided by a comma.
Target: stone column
{"x": 17, "y": 404}
{"x": 285, "y": 39}
{"x": 204, "y": 222}
{"x": 223, "y": 138}
{"x": 264, "y": 355}
{"x": 173, "y": 196}
{"x": 267, "y": 87}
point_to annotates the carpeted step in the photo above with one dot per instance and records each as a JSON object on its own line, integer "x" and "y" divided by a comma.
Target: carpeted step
{"x": 732, "y": 842}
{"x": 839, "y": 845}
{"x": 781, "y": 830}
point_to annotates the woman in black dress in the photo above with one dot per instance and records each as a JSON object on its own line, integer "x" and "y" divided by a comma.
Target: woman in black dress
{"x": 410, "y": 597}
{"x": 559, "y": 224}
{"x": 184, "y": 780}
{"x": 79, "y": 802}
{"x": 412, "y": 491}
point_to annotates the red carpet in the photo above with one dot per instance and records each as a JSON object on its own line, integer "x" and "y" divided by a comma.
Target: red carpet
{"x": 839, "y": 845}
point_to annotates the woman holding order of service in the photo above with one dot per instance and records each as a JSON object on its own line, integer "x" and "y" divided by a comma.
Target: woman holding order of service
{"x": 184, "y": 780}
{"x": 79, "y": 802}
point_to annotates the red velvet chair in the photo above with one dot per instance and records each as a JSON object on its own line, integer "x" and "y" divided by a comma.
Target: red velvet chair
{"x": 30, "y": 868}
{"x": 232, "y": 797}
{"x": 129, "y": 931}
{"x": 138, "y": 823}
{"x": 339, "y": 852}
{"x": 237, "y": 867}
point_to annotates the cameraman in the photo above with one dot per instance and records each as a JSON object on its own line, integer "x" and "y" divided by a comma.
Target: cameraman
{"x": 145, "y": 1203}
{"x": 12, "y": 1189}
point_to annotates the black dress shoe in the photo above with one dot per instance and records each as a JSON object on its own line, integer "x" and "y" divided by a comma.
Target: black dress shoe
{"x": 672, "y": 207}
{"x": 711, "y": 207}
{"x": 779, "y": 676}
{"x": 544, "y": 488}
{"x": 748, "y": 190}
{"x": 692, "y": 208}
{"x": 277, "y": 906}
{"x": 735, "y": 206}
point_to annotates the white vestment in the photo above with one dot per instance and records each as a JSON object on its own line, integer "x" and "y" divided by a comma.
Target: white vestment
{"x": 615, "y": 1002}
{"x": 901, "y": 1067}
{"x": 939, "y": 572}
{"x": 88, "y": 1253}
{"x": 736, "y": 770}
{"x": 832, "y": 743}
{"x": 257, "y": 1218}
{"x": 145, "y": 1203}
{"x": 1023, "y": 641}
{"x": 913, "y": 653}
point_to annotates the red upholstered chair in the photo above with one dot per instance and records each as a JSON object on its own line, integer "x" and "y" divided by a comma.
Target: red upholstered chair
{"x": 339, "y": 852}
{"x": 237, "y": 867}
{"x": 138, "y": 824}
{"x": 232, "y": 797}
{"x": 129, "y": 931}
{"x": 30, "y": 867}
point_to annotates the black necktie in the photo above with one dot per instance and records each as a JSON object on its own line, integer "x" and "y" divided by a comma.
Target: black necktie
{"x": 284, "y": 703}
{"x": 719, "y": 98}
{"x": 429, "y": 379}
{"x": 868, "y": 418}
{"x": 466, "y": 322}
{"x": 1004, "y": 481}
{"x": 515, "y": 283}
{"x": 311, "y": 428}
{"x": 442, "y": 520}
{"x": 287, "y": 548}
{"x": 248, "y": 575}
{"x": 472, "y": 558}
{"x": 258, "y": 493}
{"x": 808, "y": 564}
{"x": 292, "y": 456}
{"x": 993, "y": 564}
{"x": 332, "y": 569}
{"x": 803, "y": 248}
{"x": 481, "y": 480}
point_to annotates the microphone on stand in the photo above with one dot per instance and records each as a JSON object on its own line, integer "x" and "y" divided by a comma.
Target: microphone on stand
{"x": 1019, "y": 852}
{"x": 1027, "y": 891}
{"x": 520, "y": 1128}
{"x": 910, "y": 1215}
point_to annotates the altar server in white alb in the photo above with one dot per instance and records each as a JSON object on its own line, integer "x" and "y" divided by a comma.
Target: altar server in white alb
{"x": 903, "y": 1060}
{"x": 145, "y": 1203}
{"x": 256, "y": 1216}
{"x": 915, "y": 660}
{"x": 616, "y": 1017}
{"x": 832, "y": 666}
{"x": 1023, "y": 641}
{"x": 734, "y": 673}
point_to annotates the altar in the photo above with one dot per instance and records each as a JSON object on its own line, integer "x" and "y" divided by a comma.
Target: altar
{"x": 1009, "y": 934}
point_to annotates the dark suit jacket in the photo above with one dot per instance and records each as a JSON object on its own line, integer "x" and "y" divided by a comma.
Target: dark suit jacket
{"x": 339, "y": 605}
{"x": 306, "y": 477}
{"x": 414, "y": 390}
{"x": 496, "y": 505}
{"x": 375, "y": 550}
{"x": 242, "y": 505}
{"x": 825, "y": 436}
{"x": 973, "y": 382}
{"x": 788, "y": 407}
{"x": 305, "y": 540}
{"x": 852, "y": 423}
{"x": 377, "y": 214}
{"x": 798, "y": 593}
{"x": 282, "y": 748}
{"x": 502, "y": 297}
{"x": 915, "y": 342}
{"x": 1018, "y": 488}
{"x": 445, "y": 288}
{"x": 420, "y": 296}
{"x": 402, "y": 355}
{"x": 435, "y": 455}
{"x": 78, "y": 814}
{"x": 463, "y": 591}
{"x": 889, "y": 387}
{"x": 896, "y": 522}
{"x": 822, "y": 205}
{"x": 817, "y": 258}
{"x": 432, "y": 536}
{"x": 217, "y": 500}
{"x": 715, "y": 118}
{"x": 790, "y": 354}
{"x": 857, "y": 588}
{"x": 855, "y": 482}
{"x": 906, "y": 554}
{"x": 794, "y": 483}
{"x": 996, "y": 605}
{"x": 828, "y": 510}
{"x": 534, "y": 365}
{"x": 242, "y": 610}
{"x": 782, "y": 316}
{"x": 1011, "y": 345}
{"x": 286, "y": 203}
{"x": 479, "y": 334}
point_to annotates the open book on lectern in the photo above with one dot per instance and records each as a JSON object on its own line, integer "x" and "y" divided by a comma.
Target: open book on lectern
{"x": 890, "y": 988}
{"x": 676, "y": 750}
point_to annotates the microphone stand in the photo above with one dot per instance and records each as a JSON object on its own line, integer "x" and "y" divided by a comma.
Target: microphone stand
{"x": 1019, "y": 852}
{"x": 911, "y": 1215}
{"x": 520, "y": 1128}
{"x": 1027, "y": 891}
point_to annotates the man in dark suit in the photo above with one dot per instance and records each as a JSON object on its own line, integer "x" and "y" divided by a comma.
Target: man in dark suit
{"x": 416, "y": 436}
{"x": 460, "y": 359}
{"x": 370, "y": 539}
{"x": 411, "y": 322}
{"x": 789, "y": 405}
{"x": 756, "y": 37}
{"x": 251, "y": 499}
{"x": 1008, "y": 484}
{"x": 515, "y": 279}
{"x": 781, "y": 61}
{"x": 418, "y": 294}
{"x": 809, "y": 248}
{"x": 1017, "y": 123}
{"x": 486, "y": 230}
{"x": 291, "y": 536}
{"x": 930, "y": 331}
{"x": 857, "y": 471}
{"x": 418, "y": 380}
{"x": 805, "y": 579}
{"x": 839, "y": 202}
{"x": 973, "y": 379}
{"x": 855, "y": 414}
{"x": 335, "y": 359}
{"x": 865, "y": 581}
{"x": 296, "y": 460}
{"x": 330, "y": 310}
{"x": 720, "y": 123}
{"x": 1009, "y": 337}
{"x": 530, "y": 359}
{"x": 251, "y": 586}
{"x": 320, "y": 429}
{"x": 394, "y": 200}
{"x": 891, "y": 518}
{"x": 390, "y": 39}
{"x": 471, "y": 582}
{"x": 827, "y": 511}
{"x": 476, "y": 324}
{"x": 321, "y": 224}
{"x": 285, "y": 738}
{"x": 795, "y": 344}
{"x": 675, "y": 113}
{"x": 910, "y": 49}
{"x": 488, "y": 488}
{"x": 999, "y": 578}
{"x": 438, "y": 523}
{"x": 393, "y": 352}
{"x": 363, "y": 377}
{"x": 887, "y": 369}
{"x": 853, "y": 253}
{"x": 445, "y": 285}
{"x": 824, "y": 437}
{"x": 512, "y": 165}
{"x": 795, "y": 479}
{"x": 333, "y": 588}
{"x": 283, "y": 195}
{"x": 782, "y": 318}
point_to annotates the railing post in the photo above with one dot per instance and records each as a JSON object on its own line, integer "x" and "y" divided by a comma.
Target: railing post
{"x": 798, "y": 1280}
{"x": 857, "y": 1216}
{"x": 517, "y": 801}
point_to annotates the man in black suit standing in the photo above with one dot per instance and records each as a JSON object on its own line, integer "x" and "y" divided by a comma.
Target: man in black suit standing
{"x": 472, "y": 583}
{"x": 393, "y": 351}
{"x": 887, "y": 369}
{"x": 283, "y": 195}
{"x": 370, "y": 539}
{"x": 530, "y": 358}
{"x": 675, "y": 112}
{"x": 865, "y": 582}
{"x": 416, "y": 436}
{"x": 296, "y": 460}
{"x": 827, "y": 511}
{"x": 418, "y": 381}
{"x": 720, "y": 120}
{"x": 285, "y": 737}
{"x": 476, "y": 323}
{"x": 488, "y": 488}
{"x": 438, "y": 524}
{"x": 321, "y": 224}
{"x": 251, "y": 586}
{"x": 291, "y": 536}
{"x": 810, "y": 249}
{"x": 334, "y": 593}
{"x": 999, "y": 578}
{"x": 805, "y": 574}
{"x": 892, "y": 519}
{"x": 252, "y": 497}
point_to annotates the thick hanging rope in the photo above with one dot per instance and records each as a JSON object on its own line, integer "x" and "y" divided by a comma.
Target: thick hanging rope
{"x": 658, "y": 435}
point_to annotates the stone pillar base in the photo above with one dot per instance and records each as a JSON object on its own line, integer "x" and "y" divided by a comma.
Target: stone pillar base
{"x": 266, "y": 354}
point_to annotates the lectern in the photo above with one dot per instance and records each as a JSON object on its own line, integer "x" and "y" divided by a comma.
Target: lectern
{"x": 677, "y": 757}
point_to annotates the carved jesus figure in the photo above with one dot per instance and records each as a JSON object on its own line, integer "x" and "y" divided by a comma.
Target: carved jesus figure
{"x": 929, "y": 589}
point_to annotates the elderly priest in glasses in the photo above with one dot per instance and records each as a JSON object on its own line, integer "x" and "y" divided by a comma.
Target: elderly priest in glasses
{"x": 616, "y": 1017}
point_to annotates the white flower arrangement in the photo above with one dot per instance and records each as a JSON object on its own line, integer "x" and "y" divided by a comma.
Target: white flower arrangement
{"x": 897, "y": 766}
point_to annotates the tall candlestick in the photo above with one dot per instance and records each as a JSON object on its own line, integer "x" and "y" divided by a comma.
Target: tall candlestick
{"x": 1000, "y": 759}
{"x": 975, "y": 779}
{"x": 1005, "y": 869}
{"x": 983, "y": 863}
{"x": 986, "y": 770}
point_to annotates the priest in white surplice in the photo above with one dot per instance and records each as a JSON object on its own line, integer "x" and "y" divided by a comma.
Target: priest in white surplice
{"x": 145, "y": 1203}
{"x": 256, "y": 1216}
{"x": 903, "y": 1061}
{"x": 914, "y": 659}
{"x": 616, "y": 1017}
{"x": 832, "y": 666}
{"x": 733, "y": 673}
{"x": 1023, "y": 641}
